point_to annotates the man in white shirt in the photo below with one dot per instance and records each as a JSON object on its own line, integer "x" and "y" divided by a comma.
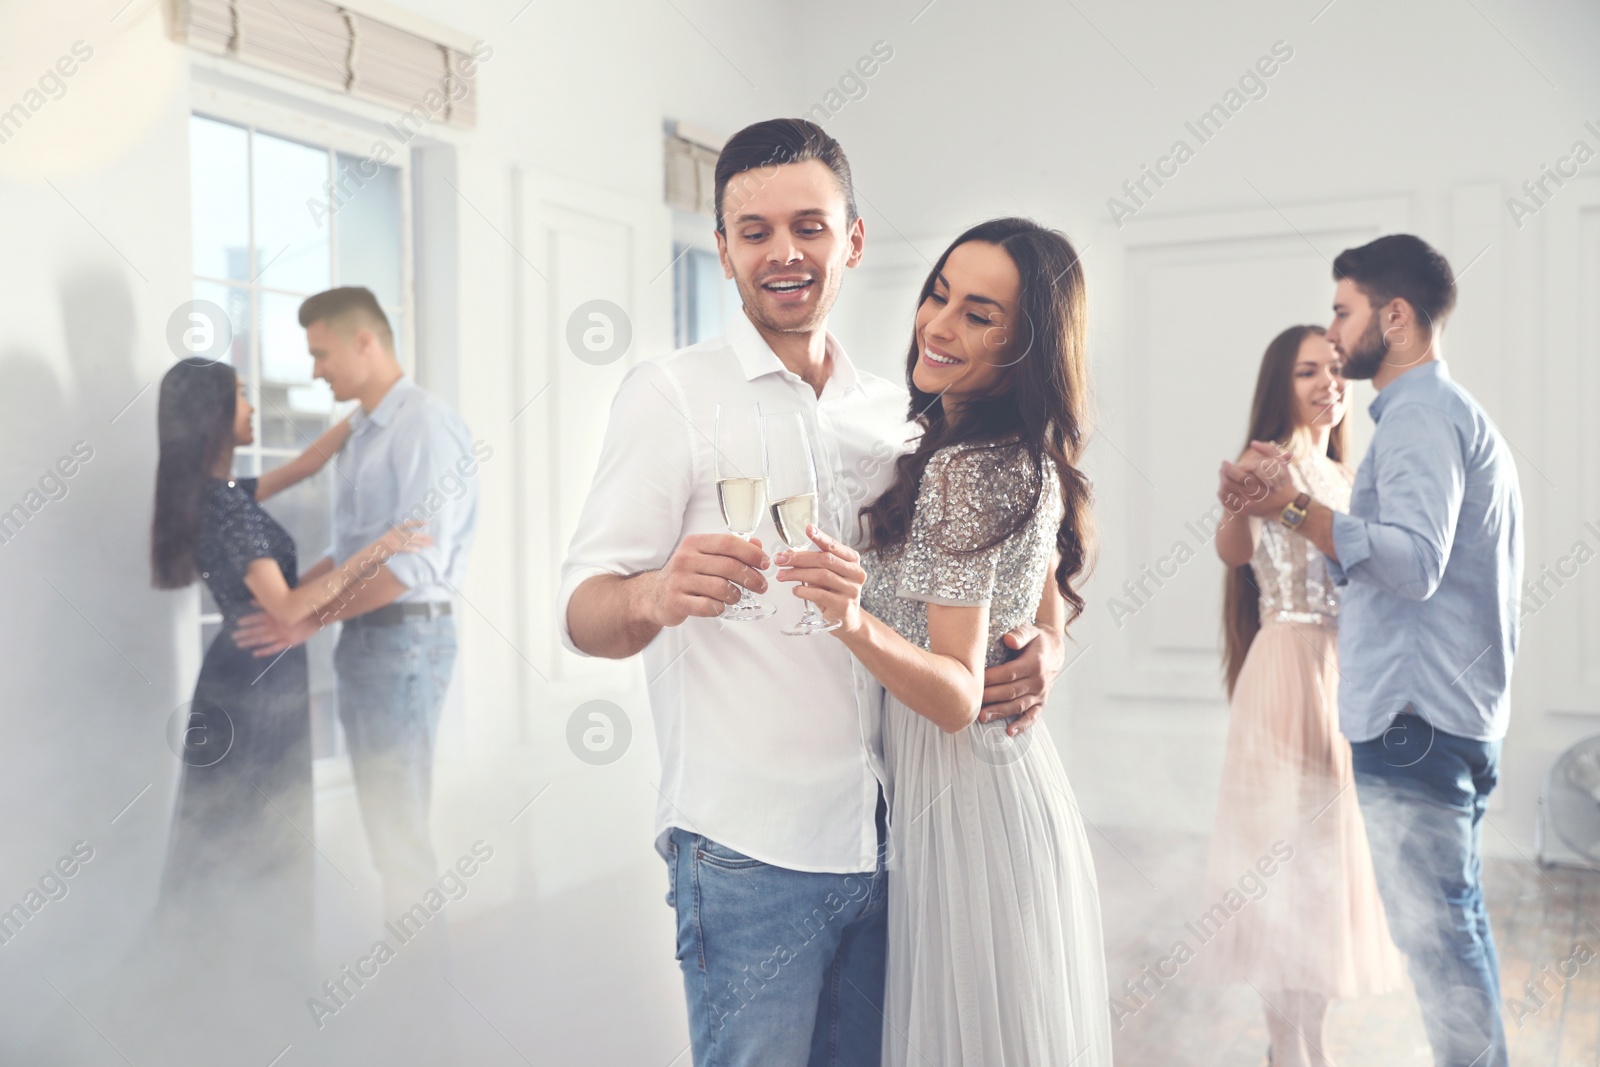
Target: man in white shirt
{"x": 771, "y": 817}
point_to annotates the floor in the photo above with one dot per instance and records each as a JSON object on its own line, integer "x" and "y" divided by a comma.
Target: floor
{"x": 1546, "y": 922}
{"x": 561, "y": 952}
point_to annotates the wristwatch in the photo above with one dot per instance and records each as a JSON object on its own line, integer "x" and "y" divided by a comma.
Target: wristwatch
{"x": 1294, "y": 513}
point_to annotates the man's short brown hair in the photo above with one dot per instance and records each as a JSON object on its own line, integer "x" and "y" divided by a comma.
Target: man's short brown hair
{"x": 779, "y": 142}
{"x": 1405, "y": 266}
{"x": 347, "y": 309}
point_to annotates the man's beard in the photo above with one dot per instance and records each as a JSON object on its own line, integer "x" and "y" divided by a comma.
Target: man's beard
{"x": 1367, "y": 355}
{"x": 752, "y": 294}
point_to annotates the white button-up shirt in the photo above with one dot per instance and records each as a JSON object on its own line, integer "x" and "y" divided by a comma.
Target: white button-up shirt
{"x": 770, "y": 745}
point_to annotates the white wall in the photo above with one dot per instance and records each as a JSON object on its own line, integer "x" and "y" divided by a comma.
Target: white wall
{"x": 95, "y": 231}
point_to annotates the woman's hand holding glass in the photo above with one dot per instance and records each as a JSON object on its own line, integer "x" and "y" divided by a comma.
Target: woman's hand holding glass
{"x": 832, "y": 578}
{"x": 792, "y": 487}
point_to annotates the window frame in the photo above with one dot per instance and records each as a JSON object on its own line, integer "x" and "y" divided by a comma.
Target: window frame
{"x": 255, "y": 115}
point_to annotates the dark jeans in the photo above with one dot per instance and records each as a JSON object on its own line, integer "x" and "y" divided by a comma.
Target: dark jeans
{"x": 1423, "y": 793}
{"x": 782, "y": 968}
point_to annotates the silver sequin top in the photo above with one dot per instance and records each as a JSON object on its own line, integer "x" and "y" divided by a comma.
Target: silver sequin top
{"x": 968, "y": 494}
{"x": 1290, "y": 571}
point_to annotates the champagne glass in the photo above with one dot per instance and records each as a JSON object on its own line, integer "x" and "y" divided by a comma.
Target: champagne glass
{"x": 792, "y": 481}
{"x": 741, "y": 449}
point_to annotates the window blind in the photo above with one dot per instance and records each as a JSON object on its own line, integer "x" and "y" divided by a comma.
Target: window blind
{"x": 323, "y": 44}
{"x": 690, "y": 175}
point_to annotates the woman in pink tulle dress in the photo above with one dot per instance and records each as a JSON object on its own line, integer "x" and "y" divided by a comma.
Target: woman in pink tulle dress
{"x": 1300, "y": 918}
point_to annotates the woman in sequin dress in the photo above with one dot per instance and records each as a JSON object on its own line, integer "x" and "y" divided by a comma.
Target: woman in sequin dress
{"x": 995, "y": 949}
{"x": 1289, "y": 842}
{"x": 237, "y": 878}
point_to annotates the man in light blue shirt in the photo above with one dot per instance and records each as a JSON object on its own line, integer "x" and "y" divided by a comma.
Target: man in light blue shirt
{"x": 409, "y": 459}
{"x": 403, "y": 462}
{"x": 1430, "y": 561}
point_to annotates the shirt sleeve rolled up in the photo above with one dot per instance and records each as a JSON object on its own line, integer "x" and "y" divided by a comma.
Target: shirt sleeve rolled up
{"x": 1420, "y": 474}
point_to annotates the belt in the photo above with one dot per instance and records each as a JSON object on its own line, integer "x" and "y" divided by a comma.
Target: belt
{"x": 395, "y": 614}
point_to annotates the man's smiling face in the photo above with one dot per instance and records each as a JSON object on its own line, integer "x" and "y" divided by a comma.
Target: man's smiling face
{"x": 786, "y": 243}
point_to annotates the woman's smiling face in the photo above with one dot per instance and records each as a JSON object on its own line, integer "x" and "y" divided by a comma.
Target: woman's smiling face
{"x": 964, "y": 328}
{"x": 1319, "y": 389}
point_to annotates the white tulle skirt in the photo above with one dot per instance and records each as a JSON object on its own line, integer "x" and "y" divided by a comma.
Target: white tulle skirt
{"x": 995, "y": 949}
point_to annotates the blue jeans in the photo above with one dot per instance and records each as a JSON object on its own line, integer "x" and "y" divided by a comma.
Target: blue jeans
{"x": 392, "y": 683}
{"x": 781, "y": 968}
{"x": 1423, "y": 793}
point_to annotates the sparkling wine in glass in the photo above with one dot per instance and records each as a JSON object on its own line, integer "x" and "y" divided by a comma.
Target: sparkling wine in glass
{"x": 792, "y": 483}
{"x": 742, "y": 488}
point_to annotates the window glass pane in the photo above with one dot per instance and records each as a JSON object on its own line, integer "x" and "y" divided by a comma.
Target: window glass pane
{"x": 703, "y": 298}
{"x": 680, "y": 297}
{"x": 294, "y": 409}
{"x": 397, "y": 326}
{"x": 246, "y": 461}
{"x": 219, "y": 197}
{"x": 292, "y": 225}
{"x": 367, "y": 226}
{"x": 283, "y": 424}
{"x": 284, "y": 357}
{"x": 707, "y": 294}
{"x": 306, "y": 511}
{"x": 236, "y": 302}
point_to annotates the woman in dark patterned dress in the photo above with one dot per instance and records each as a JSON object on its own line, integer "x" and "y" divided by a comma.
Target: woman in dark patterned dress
{"x": 238, "y": 869}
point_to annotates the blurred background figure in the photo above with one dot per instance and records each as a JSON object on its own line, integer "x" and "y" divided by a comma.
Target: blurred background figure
{"x": 1430, "y": 558}
{"x": 408, "y": 467}
{"x": 237, "y": 881}
{"x": 1287, "y": 817}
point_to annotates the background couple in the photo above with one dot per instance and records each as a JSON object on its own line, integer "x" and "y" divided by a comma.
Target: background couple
{"x": 817, "y": 834}
{"x": 239, "y": 858}
{"x": 1397, "y": 686}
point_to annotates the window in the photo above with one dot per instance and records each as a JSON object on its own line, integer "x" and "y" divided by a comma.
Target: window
{"x": 702, "y": 297}
{"x": 703, "y": 301}
{"x": 275, "y": 220}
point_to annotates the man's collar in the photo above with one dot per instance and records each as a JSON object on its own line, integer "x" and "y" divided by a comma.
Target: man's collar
{"x": 384, "y": 413}
{"x": 756, "y": 357}
{"x": 1433, "y": 370}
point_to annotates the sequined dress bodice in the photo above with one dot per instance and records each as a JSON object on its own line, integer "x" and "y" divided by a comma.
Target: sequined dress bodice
{"x": 967, "y": 496}
{"x": 1291, "y": 572}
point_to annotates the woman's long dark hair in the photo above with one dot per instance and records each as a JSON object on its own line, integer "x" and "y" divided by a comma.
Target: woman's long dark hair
{"x": 1272, "y": 418}
{"x": 194, "y": 423}
{"x": 1041, "y": 404}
